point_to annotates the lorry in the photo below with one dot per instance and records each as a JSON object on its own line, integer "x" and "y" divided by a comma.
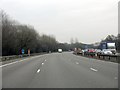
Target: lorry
{"x": 109, "y": 46}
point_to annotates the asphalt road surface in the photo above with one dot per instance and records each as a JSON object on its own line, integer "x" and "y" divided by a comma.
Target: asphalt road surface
{"x": 60, "y": 70}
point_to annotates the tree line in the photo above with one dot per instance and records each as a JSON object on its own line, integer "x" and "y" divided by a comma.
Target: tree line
{"x": 16, "y": 36}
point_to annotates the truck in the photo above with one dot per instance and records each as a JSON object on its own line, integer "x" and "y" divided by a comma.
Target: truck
{"x": 108, "y": 46}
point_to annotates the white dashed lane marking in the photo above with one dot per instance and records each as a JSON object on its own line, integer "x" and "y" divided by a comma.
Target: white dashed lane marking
{"x": 42, "y": 63}
{"x": 115, "y": 78}
{"x": 77, "y": 63}
{"x": 38, "y": 70}
{"x": 95, "y": 70}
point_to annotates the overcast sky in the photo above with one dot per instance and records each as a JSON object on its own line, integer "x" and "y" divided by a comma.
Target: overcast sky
{"x": 87, "y": 20}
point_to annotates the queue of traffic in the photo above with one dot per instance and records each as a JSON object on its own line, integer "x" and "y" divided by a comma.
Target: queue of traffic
{"x": 92, "y": 51}
{"x": 106, "y": 48}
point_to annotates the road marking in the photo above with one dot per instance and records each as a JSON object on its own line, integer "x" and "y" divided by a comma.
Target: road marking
{"x": 19, "y": 61}
{"x": 115, "y": 78}
{"x": 77, "y": 63}
{"x": 42, "y": 63}
{"x": 94, "y": 69}
{"x": 38, "y": 70}
{"x": 12, "y": 63}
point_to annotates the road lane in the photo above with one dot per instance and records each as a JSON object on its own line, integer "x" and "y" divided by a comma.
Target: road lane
{"x": 109, "y": 69}
{"x": 21, "y": 73}
{"x": 61, "y": 70}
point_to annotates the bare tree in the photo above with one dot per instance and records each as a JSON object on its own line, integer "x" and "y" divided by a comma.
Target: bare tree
{"x": 17, "y": 36}
{"x": 71, "y": 40}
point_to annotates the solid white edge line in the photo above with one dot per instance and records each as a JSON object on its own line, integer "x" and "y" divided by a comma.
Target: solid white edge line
{"x": 94, "y": 69}
{"x": 18, "y": 61}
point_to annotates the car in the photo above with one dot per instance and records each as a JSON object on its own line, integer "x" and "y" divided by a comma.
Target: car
{"x": 106, "y": 51}
{"x": 85, "y": 51}
{"x": 98, "y": 51}
{"x": 91, "y": 50}
{"x": 79, "y": 51}
{"x": 113, "y": 51}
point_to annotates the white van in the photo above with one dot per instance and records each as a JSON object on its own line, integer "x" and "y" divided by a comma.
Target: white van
{"x": 60, "y": 50}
